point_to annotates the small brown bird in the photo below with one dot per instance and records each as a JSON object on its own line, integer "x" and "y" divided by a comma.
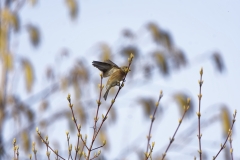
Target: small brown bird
{"x": 116, "y": 73}
{"x": 114, "y": 79}
{"x": 107, "y": 67}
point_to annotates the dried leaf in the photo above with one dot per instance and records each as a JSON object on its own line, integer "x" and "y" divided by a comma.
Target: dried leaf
{"x": 25, "y": 141}
{"x": 30, "y": 115}
{"x": 11, "y": 18}
{"x": 8, "y": 60}
{"x": 43, "y": 105}
{"x": 29, "y": 74}
{"x": 64, "y": 83}
{"x": 3, "y": 38}
{"x": 76, "y": 87}
{"x": 147, "y": 71}
{"x": 73, "y": 8}
{"x": 128, "y": 33}
{"x": 166, "y": 39}
{"x": 126, "y": 51}
{"x": 34, "y": 35}
{"x": 148, "y": 105}
{"x": 162, "y": 62}
{"x": 102, "y": 136}
{"x": 50, "y": 73}
{"x": 155, "y": 31}
{"x": 218, "y": 62}
{"x": 179, "y": 58}
{"x": 81, "y": 114}
{"x": 15, "y": 22}
{"x": 181, "y": 99}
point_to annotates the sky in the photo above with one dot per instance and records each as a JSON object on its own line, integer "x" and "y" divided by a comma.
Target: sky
{"x": 197, "y": 27}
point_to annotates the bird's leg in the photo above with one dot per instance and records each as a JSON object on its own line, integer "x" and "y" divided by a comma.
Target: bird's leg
{"x": 118, "y": 83}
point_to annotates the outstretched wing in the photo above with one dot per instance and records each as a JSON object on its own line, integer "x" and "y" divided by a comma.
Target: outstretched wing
{"x": 102, "y": 66}
{"x": 110, "y": 62}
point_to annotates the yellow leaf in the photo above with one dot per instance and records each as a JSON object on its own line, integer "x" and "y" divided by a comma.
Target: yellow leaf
{"x": 29, "y": 74}
{"x": 25, "y": 141}
{"x": 226, "y": 122}
{"x": 102, "y": 136}
{"x": 3, "y": 38}
{"x": 5, "y": 15}
{"x": 8, "y": 60}
{"x": 181, "y": 99}
{"x": 73, "y": 8}
{"x": 11, "y": 18}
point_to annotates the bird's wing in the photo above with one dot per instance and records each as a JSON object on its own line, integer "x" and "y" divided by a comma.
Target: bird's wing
{"x": 102, "y": 66}
{"x": 110, "y": 62}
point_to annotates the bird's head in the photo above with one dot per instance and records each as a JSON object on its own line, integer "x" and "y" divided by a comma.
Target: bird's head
{"x": 125, "y": 69}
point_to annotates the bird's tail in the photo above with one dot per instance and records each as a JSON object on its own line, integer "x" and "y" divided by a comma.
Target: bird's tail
{"x": 106, "y": 94}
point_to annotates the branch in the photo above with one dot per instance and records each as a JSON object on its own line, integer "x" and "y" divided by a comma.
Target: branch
{"x": 231, "y": 149}
{"x": 150, "y": 129}
{"x": 47, "y": 144}
{"x": 199, "y": 114}
{"x": 99, "y": 103}
{"x": 105, "y": 117}
{"x": 180, "y": 122}
{"x": 229, "y": 134}
{"x": 77, "y": 126}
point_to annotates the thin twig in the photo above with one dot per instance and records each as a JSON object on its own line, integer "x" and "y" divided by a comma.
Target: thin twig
{"x": 231, "y": 149}
{"x": 34, "y": 150}
{"x": 77, "y": 126}
{"x": 81, "y": 153}
{"x": 99, "y": 103}
{"x": 105, "y": 117}
{"x": 229, "y": 133}
{"x": 48, "y": 153}
{"x": 43, "y": 140}
{"x": 199, "y": 114}
{"x": 14, "y": 148}
{"x": 98, "y": 147}
{"x": 180, "y": 122}
{"x": 69, "y": 151}
{"x": 151, "y": 125}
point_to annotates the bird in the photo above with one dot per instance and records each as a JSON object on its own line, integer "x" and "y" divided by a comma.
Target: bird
{"x": 113, "y": 71}
{"x": 107, "y": 67}
{"x": 114, "y": 79}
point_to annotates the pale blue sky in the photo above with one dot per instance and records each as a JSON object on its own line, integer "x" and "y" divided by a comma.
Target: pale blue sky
{"x": 197, "y": 27}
